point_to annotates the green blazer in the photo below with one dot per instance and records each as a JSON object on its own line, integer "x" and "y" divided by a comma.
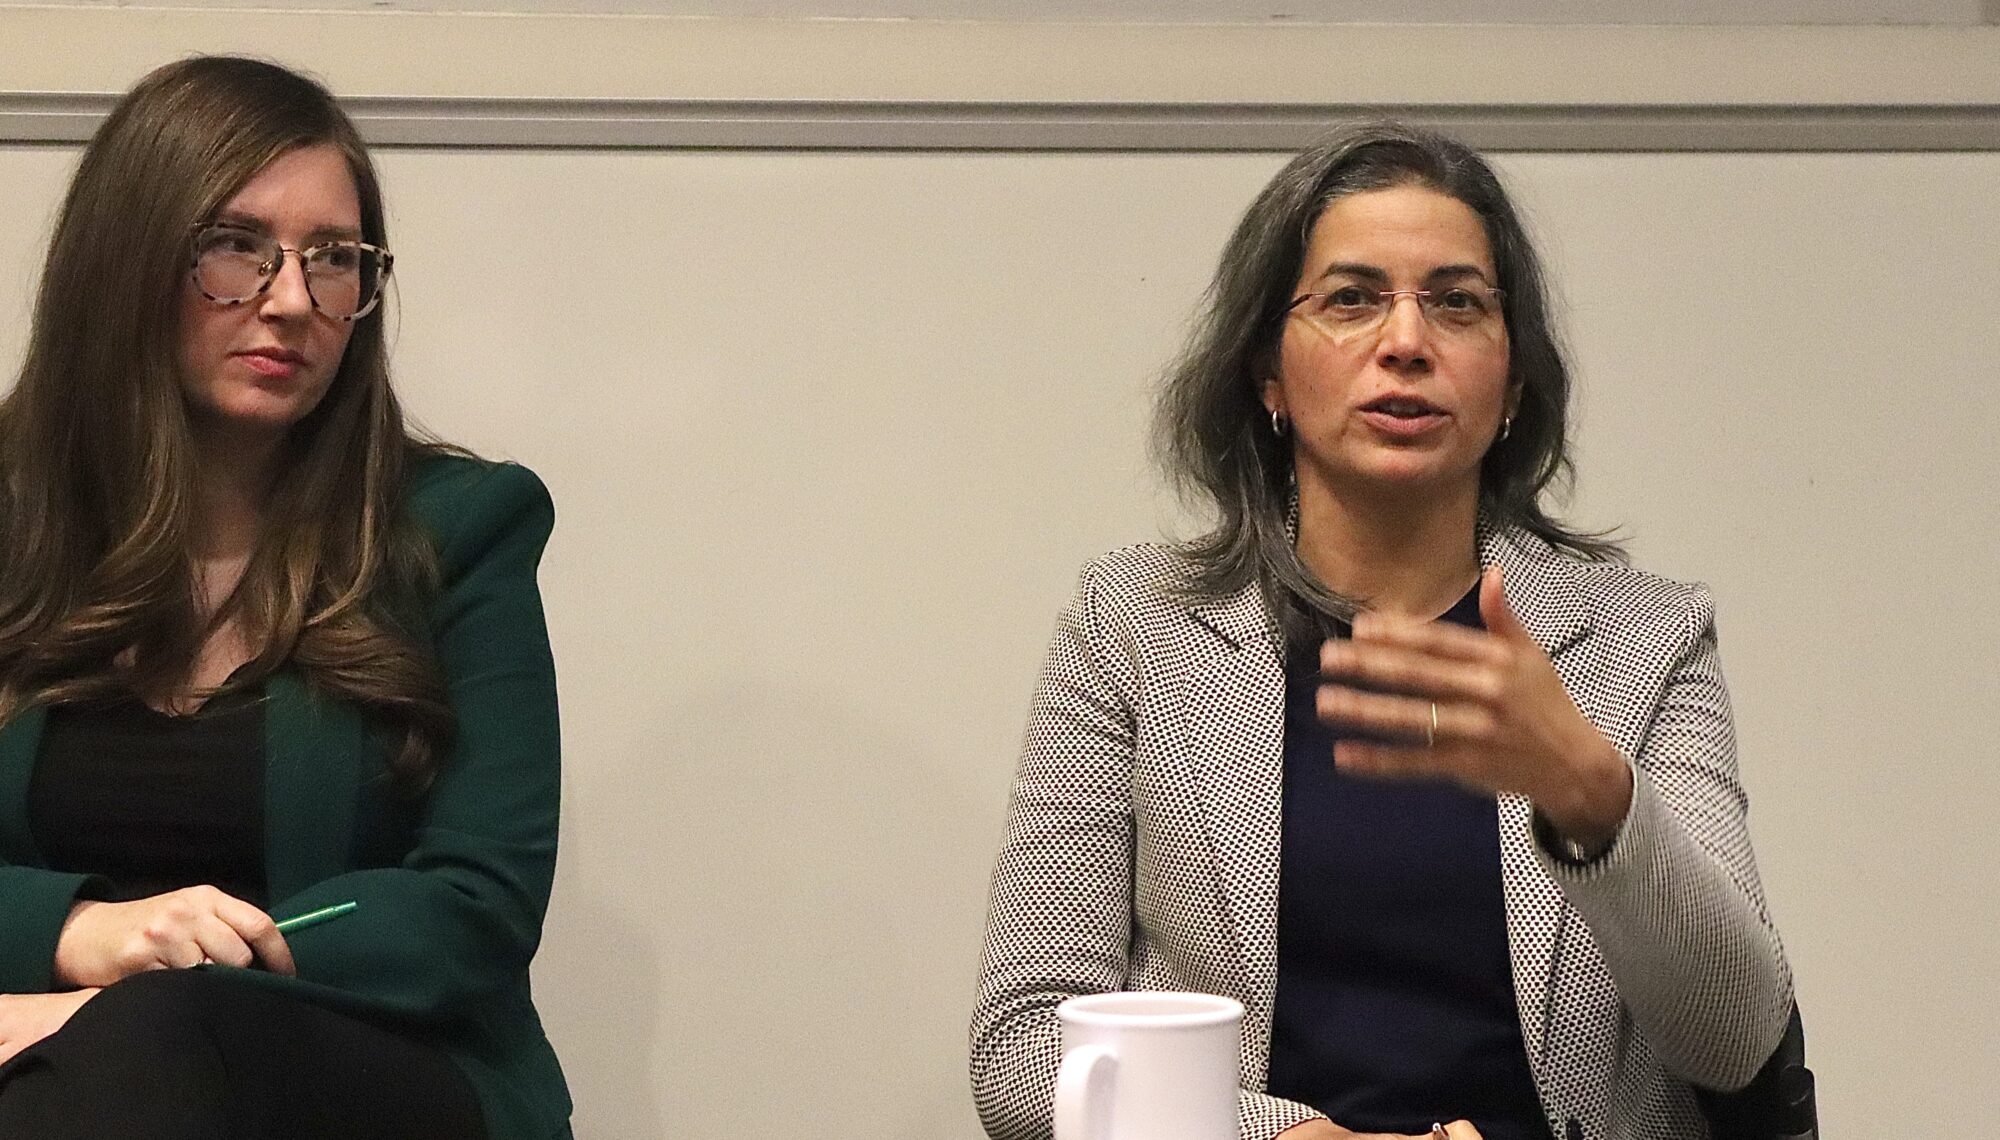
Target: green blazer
{"x": 452, "y": 889}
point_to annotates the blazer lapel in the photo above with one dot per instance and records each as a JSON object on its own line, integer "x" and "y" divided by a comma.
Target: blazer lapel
{"x": 1539, "y": 588}
{"x": 1544, "y": 594}
{"x": 20, "y": 741}
{"x": 315, "y": 751}
{"x": 1233, "y": 717}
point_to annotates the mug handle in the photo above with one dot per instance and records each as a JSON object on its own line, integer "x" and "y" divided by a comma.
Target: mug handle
{"x": 1083, "y": 1093}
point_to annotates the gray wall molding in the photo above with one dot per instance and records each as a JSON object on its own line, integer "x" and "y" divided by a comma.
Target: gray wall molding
{"x": 466, "y": 79}
{"x": 535, "y": 123}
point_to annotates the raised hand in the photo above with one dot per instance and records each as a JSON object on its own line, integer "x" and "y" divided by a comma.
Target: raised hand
{"x": 102, "y": 942}
{"x": 1484, "y": 708}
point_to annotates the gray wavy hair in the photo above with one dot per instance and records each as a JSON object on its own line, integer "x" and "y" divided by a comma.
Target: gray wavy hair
{"x": 1213, "y": 434}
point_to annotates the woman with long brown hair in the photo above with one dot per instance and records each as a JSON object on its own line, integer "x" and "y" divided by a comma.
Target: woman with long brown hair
{"x": 264, "y": 655}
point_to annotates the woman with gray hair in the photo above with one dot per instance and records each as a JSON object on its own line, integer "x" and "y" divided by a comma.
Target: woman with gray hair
{"x": 1436, "y": 786}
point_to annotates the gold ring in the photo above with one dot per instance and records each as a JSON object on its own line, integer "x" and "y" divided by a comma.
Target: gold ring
{"x": 1430, "y": 741}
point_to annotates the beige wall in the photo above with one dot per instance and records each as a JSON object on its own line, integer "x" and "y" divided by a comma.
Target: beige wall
{"x": 1852, "y": 12}
{"x": 549, "y": 56}
{"x": 830, "y": 432}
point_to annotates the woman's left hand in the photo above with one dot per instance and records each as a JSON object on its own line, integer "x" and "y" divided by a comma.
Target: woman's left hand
{"x": 1486, "y": 709}
{"x": 27, "y": 1018}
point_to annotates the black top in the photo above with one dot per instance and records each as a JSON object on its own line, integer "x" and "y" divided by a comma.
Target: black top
{"x": 1395, "y": 1004}
{"x": 151, "y": 802}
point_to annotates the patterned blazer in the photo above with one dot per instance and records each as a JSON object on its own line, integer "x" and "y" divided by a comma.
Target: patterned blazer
{"x": 1142, "y": 841}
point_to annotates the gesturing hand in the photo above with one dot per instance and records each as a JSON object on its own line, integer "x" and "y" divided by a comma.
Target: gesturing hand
{"x": 105, "y": 942}
{"x": 27, "y": 1018}
{"x": 1486, "y": 709}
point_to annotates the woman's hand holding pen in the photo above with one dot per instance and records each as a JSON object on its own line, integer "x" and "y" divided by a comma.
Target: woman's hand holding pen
{"x": 27, "y": 1018}
{"x": 1486, "y": 709}
{"x": 102, "y": 942}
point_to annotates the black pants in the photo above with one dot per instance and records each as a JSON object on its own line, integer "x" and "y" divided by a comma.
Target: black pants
{"x": 195, "y": 1055}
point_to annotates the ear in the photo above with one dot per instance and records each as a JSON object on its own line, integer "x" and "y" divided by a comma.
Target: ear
{"x": 1274, "y": 397}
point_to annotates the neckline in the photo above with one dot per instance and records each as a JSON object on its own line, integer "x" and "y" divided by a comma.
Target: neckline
{"x": 221, "y": 693}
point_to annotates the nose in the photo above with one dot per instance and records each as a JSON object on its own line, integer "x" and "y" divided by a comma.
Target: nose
{"x": 1404, "y": 341}
{"x": 288, "y": 297}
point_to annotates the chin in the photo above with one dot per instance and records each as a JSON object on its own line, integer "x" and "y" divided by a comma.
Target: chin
{"x": 256, "y": 416}
{"x": 1405, "y": 467}
{"x": 1412, "y": 475}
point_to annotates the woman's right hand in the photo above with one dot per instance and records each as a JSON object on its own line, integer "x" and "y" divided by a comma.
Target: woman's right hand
{"x": 1328, "y": 1130}
{"x": 103, "y": 942}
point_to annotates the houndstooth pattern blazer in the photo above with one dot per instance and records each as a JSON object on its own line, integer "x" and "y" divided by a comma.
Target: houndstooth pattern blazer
{"x": 1141, "y": 849}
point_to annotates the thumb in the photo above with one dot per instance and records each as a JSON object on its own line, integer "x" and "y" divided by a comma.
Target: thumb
{"x": 1494, "y": 610}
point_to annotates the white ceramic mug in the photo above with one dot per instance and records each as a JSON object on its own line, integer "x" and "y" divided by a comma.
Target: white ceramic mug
{"x": 1147, "y": 1066}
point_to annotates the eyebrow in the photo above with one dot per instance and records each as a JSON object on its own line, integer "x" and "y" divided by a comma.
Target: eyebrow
{"x": 1374, "y": 273}
{"x": 316, "y": 235}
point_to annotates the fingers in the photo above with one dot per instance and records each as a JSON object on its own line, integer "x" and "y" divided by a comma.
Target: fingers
{"x": 1414, "y": 672}
{"x": 219, "y": 942}
{"x": 1444, "y": 639}
{"x": 1494, "y": 611}
{"x": 165, "y": 935}
{"x": 199, "y": 925}
{"x": 260, "y": 933}
{"x": 1421, "y": 683}
{"x": 1456, "y": 1130}
{"x": 1363, "y": 758}
{"x": 1412, "y": 722}
{"x": 1404, "y": 719}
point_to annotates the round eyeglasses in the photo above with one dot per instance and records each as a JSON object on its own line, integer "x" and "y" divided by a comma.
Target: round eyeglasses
{"x": 1354, "y": 309}
{"x": 232, "y": 264}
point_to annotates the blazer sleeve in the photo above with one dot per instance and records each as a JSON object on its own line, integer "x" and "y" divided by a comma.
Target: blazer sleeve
{"x": 1675, "y": 904}
{"x": 1060, "y": 918}
{"x": 460, "y": 917}
{"x": 1060, "y": 921}
{"x": 36, "y": 904}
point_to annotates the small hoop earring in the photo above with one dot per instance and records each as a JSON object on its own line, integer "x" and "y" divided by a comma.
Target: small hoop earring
{"x": 1277, "y": 423}
{"x": 1506, "y": 426}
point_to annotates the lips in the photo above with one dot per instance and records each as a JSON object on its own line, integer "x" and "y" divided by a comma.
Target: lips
{"x": 1402, "y": 407}
{"x": 1401, "y": 416}
{"x": 278, "y": 363}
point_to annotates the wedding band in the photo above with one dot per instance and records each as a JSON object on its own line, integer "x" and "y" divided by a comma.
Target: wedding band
{"x": 1437, "y": 1130}
{"x": 1430, "y": 741}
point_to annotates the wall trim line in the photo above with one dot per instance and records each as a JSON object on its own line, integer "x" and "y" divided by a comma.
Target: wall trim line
{"x": 673, "y": 124}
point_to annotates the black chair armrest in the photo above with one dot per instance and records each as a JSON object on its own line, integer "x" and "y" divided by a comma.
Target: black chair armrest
{"x": 1777, "y": 1104}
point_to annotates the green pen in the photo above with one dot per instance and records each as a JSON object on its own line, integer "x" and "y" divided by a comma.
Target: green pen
{"x": 315, "y": 917}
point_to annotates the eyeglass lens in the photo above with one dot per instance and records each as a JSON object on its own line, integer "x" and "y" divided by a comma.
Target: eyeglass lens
{"x": 232, "y": 264}
{"x": 1354, "y": 308}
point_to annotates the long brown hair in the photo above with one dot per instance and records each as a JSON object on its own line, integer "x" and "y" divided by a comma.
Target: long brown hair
{"x": 97, "y": 584}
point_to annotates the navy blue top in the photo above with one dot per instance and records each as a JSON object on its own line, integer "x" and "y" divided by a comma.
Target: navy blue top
{"x": 1395, "y": 1004}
